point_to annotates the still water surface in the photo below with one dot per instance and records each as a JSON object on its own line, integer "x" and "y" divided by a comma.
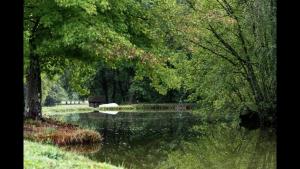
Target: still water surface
{"x": 169, "y": 140}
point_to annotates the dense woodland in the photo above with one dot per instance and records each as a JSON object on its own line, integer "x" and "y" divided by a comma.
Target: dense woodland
{"x": 220, "y": 54}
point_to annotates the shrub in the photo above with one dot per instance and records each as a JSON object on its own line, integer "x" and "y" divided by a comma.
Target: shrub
{"x": 51, "y": 131}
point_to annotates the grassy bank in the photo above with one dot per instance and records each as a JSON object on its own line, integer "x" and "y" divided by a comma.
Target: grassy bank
{"x": 40, "y": 156}
{"x": 59, "y": 109}
{"x": 54, "y": 132}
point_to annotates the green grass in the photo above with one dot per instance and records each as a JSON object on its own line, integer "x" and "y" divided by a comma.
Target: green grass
{"x": 64, "y": 109}
{"x": 41, "y": 156}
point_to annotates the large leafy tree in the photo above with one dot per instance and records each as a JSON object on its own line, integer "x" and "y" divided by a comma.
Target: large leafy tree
{"x": 232, "y": 45}
{"x": 55, "y": 30}
{"x": 89, "y": 30}
{"x": 224, "y": 52}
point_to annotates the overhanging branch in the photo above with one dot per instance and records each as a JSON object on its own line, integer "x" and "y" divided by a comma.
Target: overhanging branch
{"x": 218, "y": 54}
{"x": 226, "y": 45}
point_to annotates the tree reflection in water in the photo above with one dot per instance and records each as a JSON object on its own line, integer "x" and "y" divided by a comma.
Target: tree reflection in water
{"x": 226, "y": 147}
{"x": 147, "y": 140}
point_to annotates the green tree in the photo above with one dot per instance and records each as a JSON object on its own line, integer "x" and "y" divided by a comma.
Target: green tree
{"x": 89, "y": 30}
{"x": 229, "y": 54}
{"x": 55, "y": 30}
{"x": 55, "y": 95}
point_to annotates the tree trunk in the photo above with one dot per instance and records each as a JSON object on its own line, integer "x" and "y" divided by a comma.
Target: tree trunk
{"x": 252, "y": 80}
{"x": 34, "y": 94}
{"x": 104, "y": 85}
{"x": 120, "y": 87}
{"x": 114, "y": 87}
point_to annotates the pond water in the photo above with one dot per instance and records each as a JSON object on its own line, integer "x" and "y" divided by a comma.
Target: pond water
{"x": 169, "y": 140}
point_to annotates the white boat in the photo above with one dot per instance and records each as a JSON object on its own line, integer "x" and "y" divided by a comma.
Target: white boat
{"x": 109, "y": 105}
{"x": 109, "y": 112}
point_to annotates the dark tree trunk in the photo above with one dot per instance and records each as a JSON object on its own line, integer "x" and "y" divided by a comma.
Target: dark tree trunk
{"x": 104, "y": 85}
{"x": 34, "y": 93}
{"x": 121, "y": 87}
{"x": 34, "y": 87}
{"x": 114, "y": 87}
{"x": 121, "y": 91}
{"x": 258, "y": 96}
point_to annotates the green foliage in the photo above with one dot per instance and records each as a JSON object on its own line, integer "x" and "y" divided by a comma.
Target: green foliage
{"x": 164, "y": 79}
{"x": 52, "y": 91}
{"x": 56, "y": 95}
{"x": 228, "y": 55}
{"x": 62, "y": 32}
{"x": 77, "y": 77}
{"x": 212, "y": 83}
{"x": 218, "y": 53}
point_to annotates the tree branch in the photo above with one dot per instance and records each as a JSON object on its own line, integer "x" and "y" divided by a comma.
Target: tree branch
{"x": 34, "y": 29}
{"x": 229, "y": 10}
{"x": 226, "y": 45}
{"x": 30, "y": 19}
{"x": 218, "y": 54}
{"x": 216, "y": 45}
